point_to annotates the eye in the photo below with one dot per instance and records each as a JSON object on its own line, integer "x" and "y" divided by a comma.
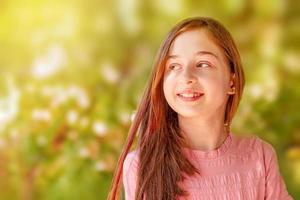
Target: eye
{"x": 203, "y": 65}
{"x": 172, "y": 66}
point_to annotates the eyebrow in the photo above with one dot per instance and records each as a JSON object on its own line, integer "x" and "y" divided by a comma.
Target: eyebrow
{"x": 197, "y": 53}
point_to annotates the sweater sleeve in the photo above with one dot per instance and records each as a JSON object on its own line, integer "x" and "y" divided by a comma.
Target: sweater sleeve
{"x": 275, "y": 185}
{"x": 130, "y": 175}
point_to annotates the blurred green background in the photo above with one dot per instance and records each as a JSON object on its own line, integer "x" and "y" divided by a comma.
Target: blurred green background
{"x": 72, "y": 73}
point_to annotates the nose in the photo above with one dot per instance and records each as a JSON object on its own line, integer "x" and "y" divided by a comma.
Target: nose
{"x": 188, "y": 76}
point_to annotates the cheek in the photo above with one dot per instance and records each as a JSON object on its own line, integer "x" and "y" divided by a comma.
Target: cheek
{"x": 169, "y": 89}
{"x": 166, "y": 87}
{"x": 216, "y": 88}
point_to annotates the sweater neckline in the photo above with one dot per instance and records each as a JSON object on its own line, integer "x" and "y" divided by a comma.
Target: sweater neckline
{"x": 213, "y": 153}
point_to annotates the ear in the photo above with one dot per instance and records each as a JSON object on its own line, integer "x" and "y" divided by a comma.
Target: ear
{"x": 232, "y": 79}
{"x": 232, "y": 88}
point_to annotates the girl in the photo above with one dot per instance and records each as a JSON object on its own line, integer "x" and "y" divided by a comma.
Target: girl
{"x": 185, "y": 147}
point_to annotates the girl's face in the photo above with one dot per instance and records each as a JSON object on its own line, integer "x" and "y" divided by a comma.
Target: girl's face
{"x": 196, "y": 66}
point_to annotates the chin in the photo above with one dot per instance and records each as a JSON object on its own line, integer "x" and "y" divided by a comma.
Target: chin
{"x": 188, "y": 114}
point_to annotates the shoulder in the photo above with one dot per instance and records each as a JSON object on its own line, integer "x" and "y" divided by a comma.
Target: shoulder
{"x": 254, "y": 143}
{"x": 130, "y": 174}
{"x": 249, "y": 141}
{"x": 131, "y": 160}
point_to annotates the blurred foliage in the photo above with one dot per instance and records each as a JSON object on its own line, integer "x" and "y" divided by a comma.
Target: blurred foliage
{"x": 72, "y": 73}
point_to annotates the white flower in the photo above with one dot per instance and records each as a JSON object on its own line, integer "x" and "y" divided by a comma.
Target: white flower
{"x": 41, "y": 115}
{"x": 9, "y": 105}
{"x": 133, "y": 116}
{"x": 72, "y": 117}
{"x": 128, "y": 10}
{"x": 58, "y": 100}
{"x": 83, "y": 101}
{"x": 80, "y": 95}
{"x": 125, "y": 117}
{"x": 61, "y": 95}
{"x": 99, "y": 128}
{"x": 292, "y": 61}
{"x": 100, "y": 166}
{"x": 256, "y": 91}
{"x": 109, "y": 73}
{"x": 50, "y": 63}
{"x": 84, "y": 152}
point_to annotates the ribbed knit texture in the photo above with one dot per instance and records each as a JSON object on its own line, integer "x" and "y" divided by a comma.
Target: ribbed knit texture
{"x": 242, "y": 168}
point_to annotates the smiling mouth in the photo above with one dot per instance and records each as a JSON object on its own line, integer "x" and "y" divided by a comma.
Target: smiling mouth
{"x": 190, "y": 97}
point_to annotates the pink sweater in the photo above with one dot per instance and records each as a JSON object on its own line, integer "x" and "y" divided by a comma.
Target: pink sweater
{"x": 242, "y": 168}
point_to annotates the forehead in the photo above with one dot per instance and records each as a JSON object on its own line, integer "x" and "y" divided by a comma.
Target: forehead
{"x": 190, "y": 42}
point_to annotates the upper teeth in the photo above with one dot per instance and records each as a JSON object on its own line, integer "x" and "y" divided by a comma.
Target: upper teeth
{"x": 189, "y": 94}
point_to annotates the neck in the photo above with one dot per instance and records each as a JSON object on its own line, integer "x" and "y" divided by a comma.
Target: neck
{"x": 203, "y": 134}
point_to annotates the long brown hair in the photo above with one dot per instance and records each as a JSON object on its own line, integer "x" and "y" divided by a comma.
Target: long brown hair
{"x": 162, "y": 164}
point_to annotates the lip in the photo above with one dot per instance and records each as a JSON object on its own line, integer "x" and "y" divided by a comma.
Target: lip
{"x": 190, "y": 99}
{"x": 196, "y": 95}
{"x": 190, "y": 91}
